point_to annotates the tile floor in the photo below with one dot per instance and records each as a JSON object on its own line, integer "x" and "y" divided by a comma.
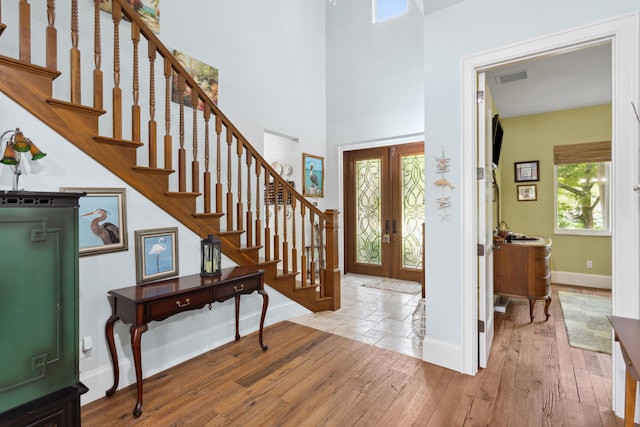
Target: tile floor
{"x": 374, "y": 316}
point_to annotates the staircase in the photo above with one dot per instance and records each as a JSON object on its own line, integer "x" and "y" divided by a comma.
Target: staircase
{"x": 203, "y": 172}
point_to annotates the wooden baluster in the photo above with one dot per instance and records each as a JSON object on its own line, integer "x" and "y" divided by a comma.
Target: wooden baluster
{"x": 52, "y": 36}
{"x": 135, "y": 108}
{"x": 168, "y": 139}
{"x": 258, "y": 224}
{"x": 229, "y": 211}
{"x": 25, "y": 31}
{"x": 285, "y": 239}
{"x": 153, "y": 126}
{"x": 294, "y": 250}
{"x": 218, "y": 165}
{"x": 207, "y": 174}
{"x": 267, "y": 230}
{"x": 116, "y": 15}
{"x": 195, "y": 164}
{"x": 303, "y": 260}
{"x": 331, "y": 278}
{"x": 249, "y": 214}
{"x": 312, "y": 262}
{"x": 321, "y": 249}
{"x": 239, "y": 208}
{"x": 76, "y": 75}
{"x": 98, "y": 94}
{"x": 182, "y": 158}
{"x": 276, "y": 220}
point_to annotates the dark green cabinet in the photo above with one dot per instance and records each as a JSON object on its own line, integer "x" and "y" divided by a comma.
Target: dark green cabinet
{"x": 39, "y": 307}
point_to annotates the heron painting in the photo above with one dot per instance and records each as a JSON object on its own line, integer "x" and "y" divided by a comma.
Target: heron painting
{"x": 313, "y": 179}
{"x": 101, "y": 220}
{"x": 156, "y": 253}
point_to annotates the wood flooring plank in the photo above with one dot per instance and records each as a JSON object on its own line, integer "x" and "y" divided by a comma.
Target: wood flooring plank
{"x": 313, "y": 378}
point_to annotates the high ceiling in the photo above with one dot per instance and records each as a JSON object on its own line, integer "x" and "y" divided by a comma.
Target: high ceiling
{"x": 579, "y": 78}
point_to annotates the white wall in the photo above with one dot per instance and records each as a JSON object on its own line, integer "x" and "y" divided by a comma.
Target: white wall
{"x": 468, "y": 28}
{"x": 374, "y": 82}
{"x": 272, "y": 76}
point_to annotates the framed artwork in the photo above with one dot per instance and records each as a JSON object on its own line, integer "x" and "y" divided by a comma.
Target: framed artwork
{"x": 313, "y": 178}
{"x": 156, "y": 254}
{"x": 102, "y": 222}
{"x": 527, "y": 193}
{"x": 149, "y": 11}
{"x": 205, "y": 75}
{"x": 527, "y": 171}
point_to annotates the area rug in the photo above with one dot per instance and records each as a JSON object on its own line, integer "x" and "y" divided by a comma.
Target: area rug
{"x": 395, "y": 285}
{"x": 585, "y": 317}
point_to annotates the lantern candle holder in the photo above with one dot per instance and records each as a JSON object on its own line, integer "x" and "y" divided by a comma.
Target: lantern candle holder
{"x": 211, "y": 255}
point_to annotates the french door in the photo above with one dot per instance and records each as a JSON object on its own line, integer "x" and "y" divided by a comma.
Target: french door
{"x": 384, "y": 211}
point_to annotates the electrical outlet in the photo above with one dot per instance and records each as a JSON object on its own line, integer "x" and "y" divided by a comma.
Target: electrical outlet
{"x": 589, "y": 263}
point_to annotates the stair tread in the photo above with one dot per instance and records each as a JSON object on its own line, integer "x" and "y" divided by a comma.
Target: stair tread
{"x": 208, "y": 215}
{"x": 159, "y": 171}
{"x": 115, "y": 141}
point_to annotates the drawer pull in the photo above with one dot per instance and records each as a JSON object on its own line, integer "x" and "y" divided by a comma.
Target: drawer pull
{"x": 186, "y": 303}
{"x": 238, "y": 289}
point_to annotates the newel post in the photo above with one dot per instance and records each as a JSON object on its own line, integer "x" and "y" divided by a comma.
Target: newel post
{"x": 332, "y": 271}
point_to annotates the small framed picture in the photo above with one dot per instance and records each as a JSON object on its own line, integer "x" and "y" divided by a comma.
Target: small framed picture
{"x": 156, "y": 254}
{"x": 313, "y": 179}
{"x": 527, "y": 193}
{"x": 102, "y": 222}
{"x": 527, "y": 171}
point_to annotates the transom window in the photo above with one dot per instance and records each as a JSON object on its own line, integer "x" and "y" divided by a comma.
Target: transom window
{"x": 385, "y": 9}
{"x": 582, "y": 173}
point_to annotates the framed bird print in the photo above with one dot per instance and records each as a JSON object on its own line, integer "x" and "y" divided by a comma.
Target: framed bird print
{"x": 156, "y": 254}
{"x": 102, "y": 222}
{"x": 313, "y": 175}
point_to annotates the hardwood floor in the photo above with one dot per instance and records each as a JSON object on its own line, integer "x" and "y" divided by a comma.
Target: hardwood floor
{"x": 310, "y": 378}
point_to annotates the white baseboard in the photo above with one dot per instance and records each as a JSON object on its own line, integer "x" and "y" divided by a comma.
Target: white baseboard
{"x": 580, "y": 279}
{"x": 442, "y": 353}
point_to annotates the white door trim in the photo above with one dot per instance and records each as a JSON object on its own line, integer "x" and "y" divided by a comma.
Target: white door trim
{"x": 624, "y": 35}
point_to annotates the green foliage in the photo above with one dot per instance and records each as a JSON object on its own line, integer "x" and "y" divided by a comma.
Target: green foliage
{"x": 581, "y": 198}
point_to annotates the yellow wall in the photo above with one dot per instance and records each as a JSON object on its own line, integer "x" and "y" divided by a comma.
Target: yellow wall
{"x": 532, "y": 138}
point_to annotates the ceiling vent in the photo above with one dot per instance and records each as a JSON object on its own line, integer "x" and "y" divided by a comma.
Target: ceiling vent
{"x": 512, "y": 77}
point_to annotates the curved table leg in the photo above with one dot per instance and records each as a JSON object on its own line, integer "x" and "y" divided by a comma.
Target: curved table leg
{"x": 531, "y": 302}
{"x": 265, "y": 303}
{"x": 114, "y": 355}
{"x": 136, "y": 334}
{"x": 237, "y": 317}
{"x": 547, "y": 303}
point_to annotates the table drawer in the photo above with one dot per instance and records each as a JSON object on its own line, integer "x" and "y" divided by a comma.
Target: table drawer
{"x": 228, "y": 290}
{"x": 187, "y": 301}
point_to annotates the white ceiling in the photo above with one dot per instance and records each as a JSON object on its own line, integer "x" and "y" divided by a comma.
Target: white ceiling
{"x": 579, "y": 78}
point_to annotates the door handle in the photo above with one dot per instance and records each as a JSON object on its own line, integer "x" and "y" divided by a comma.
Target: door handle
{"x": 393, "y": 226}
{"x": 386, "y": 226}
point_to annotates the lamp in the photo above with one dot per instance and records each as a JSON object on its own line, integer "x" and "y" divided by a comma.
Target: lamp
{"x": 16, "y": 144}
{"x": 211, "y": 257}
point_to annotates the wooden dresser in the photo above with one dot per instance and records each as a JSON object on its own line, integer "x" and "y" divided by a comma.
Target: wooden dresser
{"x": 521, "y": 269}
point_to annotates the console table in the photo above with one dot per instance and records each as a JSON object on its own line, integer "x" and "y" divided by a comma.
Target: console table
{"x": 138, "y": 305}
{"x": 626, "y": 332}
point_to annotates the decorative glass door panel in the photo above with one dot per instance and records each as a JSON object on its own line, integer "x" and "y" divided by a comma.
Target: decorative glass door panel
{"x": 412, "y": 199}
{"x": 368, "y": 212}
{"x": 384, "y": 211}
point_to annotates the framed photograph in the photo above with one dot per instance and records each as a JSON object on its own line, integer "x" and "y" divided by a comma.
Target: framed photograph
{"x": 313, "y": 179}
{"x": 102, "y": 222}
{"x": 527, "y": 171}
{"x": 527, "y": 193}
{"x": 156, "y": 254}
{"x": 206, "y": 76}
